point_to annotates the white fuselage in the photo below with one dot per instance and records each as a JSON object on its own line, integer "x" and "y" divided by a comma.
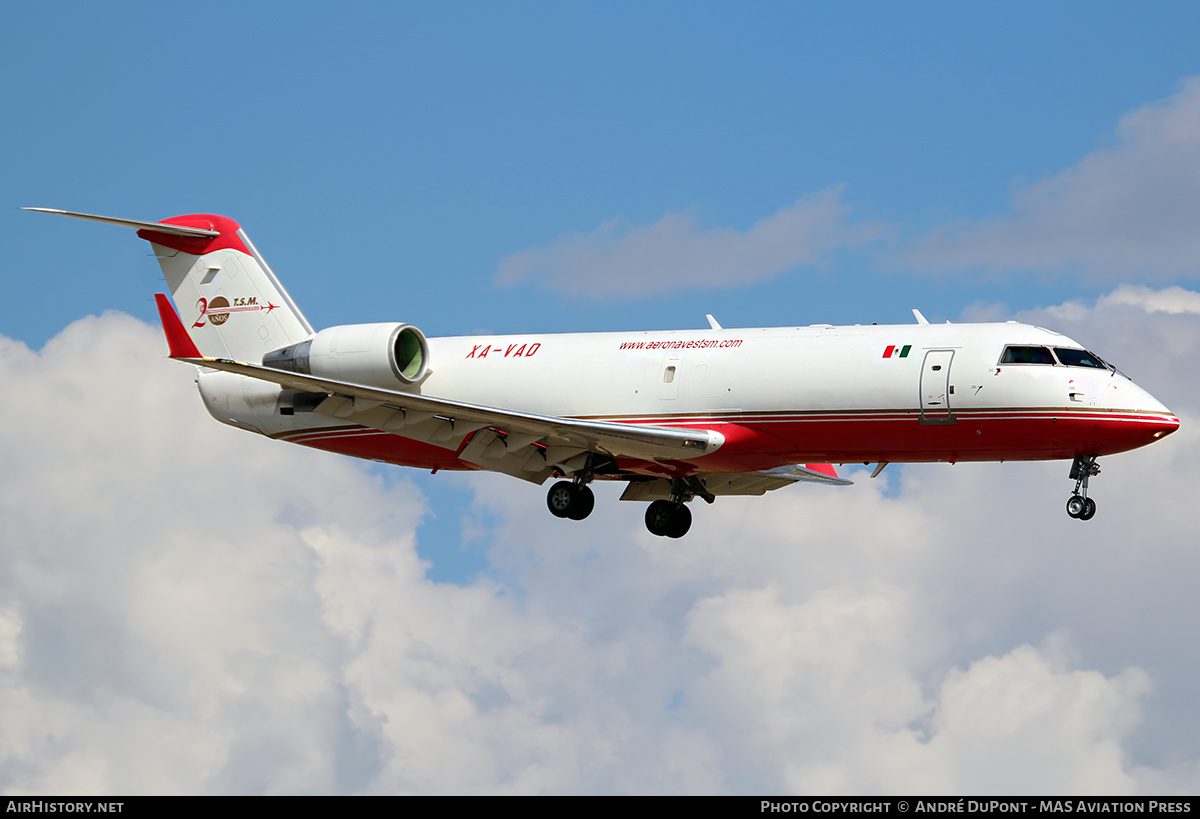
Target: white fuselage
{"x": 779, "y": 395}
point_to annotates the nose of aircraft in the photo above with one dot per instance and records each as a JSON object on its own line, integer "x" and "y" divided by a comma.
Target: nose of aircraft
{"x": 1138, "y": 418}
{"x": 1161, "y": 421}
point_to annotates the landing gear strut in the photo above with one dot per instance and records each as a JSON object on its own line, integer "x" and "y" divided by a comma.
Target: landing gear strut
{"x": 1079, "y": 505}
{"x": 670, "y": 518}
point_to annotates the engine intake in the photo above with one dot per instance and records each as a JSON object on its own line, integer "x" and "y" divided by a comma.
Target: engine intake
{"x": 377, "y": 355}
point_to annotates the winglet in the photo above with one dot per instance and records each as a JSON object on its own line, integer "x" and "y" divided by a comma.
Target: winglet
{"x": 825, "y": 469}
{"x": 818, "y": 473}
{"x": 178, "y": 341}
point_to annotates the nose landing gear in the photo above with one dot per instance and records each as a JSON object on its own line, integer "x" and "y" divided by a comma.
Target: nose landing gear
{"x": 1079, "y": 505}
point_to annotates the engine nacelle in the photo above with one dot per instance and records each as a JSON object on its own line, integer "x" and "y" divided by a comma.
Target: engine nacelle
{"x": 378, "y": 355}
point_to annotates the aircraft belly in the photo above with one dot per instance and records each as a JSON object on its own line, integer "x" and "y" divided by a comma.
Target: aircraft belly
{"x": 762, "y": 445}
{"x": 376, "y": 445}
{"x": 978, "y": 436}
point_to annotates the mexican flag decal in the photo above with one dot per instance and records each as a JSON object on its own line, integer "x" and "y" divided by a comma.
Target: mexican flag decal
{"x": 893, "y": 351}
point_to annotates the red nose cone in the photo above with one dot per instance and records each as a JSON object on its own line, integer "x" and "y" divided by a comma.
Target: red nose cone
{"x": 1168, "y": 425}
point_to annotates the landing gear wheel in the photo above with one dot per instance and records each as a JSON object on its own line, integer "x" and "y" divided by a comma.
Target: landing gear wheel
{"x": 680, "y": 522}
{"x": 1080, "y": 506}
{"x": 560, "y": 498}
{"x": 567, "y": 500}
{"x": 667, "y": 519}
{"x": 583, "y": 505}
{"x": 658, "y": 517}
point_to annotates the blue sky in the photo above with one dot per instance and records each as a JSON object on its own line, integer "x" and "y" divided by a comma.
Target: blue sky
{"x": 567, "y": 167}
{"x": 384, "y": 156}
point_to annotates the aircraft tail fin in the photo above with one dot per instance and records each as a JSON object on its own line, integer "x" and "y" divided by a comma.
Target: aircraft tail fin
{"x": 232, "y": 304}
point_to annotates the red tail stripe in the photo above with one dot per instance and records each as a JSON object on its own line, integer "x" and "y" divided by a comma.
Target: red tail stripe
{"x": 198, "y": 245}
{"x": 178, "y": 341}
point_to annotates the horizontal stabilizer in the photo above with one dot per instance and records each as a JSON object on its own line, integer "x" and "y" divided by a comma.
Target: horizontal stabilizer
{"x": 157, "y": 227}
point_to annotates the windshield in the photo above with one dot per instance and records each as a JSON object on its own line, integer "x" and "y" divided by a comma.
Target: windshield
{"x": 1065, "y": 356}
{"x": 1079, "y": 358}
{"x": 1026, "y": 355}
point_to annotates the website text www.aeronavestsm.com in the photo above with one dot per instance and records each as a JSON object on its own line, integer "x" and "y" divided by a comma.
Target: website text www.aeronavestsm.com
{"x": 692, "y": 344}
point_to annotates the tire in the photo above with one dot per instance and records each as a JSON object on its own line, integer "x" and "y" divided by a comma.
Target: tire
{"x": 681, "y": 521}
{"x": 1076, "y": 506}
{"x": 659, "y": 516}
{"x": 583, "y": 504}
{"x": 1089, "y": 511}
{"x": 561, "y": 498}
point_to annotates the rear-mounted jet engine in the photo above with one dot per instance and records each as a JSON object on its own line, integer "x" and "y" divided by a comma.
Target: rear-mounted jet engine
{"x": 378, "y": 355}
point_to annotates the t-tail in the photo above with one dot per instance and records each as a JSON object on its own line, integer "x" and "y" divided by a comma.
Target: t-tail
{"x": 231, "y": 304}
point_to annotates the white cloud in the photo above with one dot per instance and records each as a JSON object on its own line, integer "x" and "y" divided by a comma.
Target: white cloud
{"x": 1167, "y": 300}
{"x": 189, "y": 608}
{"x": 1130, "y": 209}
{"x": 676, "y": 253}
{"x": 1016, "y": 719}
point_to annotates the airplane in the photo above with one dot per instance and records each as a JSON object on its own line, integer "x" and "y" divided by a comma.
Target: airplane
{"x": 676, "y": 415}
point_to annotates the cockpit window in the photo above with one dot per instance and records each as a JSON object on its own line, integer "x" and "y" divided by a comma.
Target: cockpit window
{"x": 1079, "y": 358}
{"x": 1026, "y": 355}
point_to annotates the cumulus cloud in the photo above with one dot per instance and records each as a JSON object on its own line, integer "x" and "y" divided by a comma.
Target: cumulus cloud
{"x": 675, "y": 253}
{"x": 1167, "y": 300}
{"x": 170, "y": 636}
{"x": 189, "y": 608}
{"x": 1129, "y": 209}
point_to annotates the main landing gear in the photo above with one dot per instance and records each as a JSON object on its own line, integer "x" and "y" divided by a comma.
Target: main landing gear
{"x": 573, "y": 499}
{"x": 670, "y": 518}
{"x": 568, "y": 499}
{"x": 1079, "y": 505}
{"x": 666, "y": 518}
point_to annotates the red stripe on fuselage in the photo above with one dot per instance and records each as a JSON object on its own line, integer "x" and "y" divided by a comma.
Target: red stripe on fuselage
{"x": 763, "y": 442}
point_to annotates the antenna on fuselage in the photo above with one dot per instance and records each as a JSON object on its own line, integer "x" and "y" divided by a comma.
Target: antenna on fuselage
{"x": 920, "y": 318}
{"x": 712, "y": 322}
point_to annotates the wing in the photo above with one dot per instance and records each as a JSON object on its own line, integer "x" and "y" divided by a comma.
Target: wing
{"x": 526, "y": 445}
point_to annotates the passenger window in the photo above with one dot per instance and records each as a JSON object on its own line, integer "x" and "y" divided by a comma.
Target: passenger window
{"x": 1079, "y": 358}
{"x": 1026, "y": 355}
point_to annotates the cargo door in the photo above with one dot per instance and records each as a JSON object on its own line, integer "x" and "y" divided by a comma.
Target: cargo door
{"x": 936, "y": 389}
